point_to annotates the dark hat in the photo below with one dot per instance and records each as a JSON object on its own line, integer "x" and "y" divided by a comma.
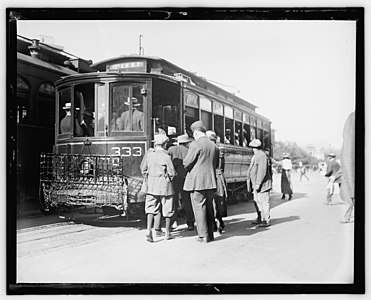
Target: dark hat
{"x": 255, "y": 143}
{"x": 198, "y": 125}
{"x": 184, "y": 138}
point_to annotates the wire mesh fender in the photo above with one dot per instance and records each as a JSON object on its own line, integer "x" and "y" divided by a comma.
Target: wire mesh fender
{"x": 81, "y": 179}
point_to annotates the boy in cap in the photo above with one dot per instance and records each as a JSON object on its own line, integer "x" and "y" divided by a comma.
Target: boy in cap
{"x": 159, "y": 169}
{"x": 258, "y": 176}
{"x": 177, "y": 154}
{"x": 201, "y": 161}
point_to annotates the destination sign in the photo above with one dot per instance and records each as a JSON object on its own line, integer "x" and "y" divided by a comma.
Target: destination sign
{"x": 132, "y": 66}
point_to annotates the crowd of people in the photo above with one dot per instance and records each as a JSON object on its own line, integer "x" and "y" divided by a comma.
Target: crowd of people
{"x": 190, "y": 175}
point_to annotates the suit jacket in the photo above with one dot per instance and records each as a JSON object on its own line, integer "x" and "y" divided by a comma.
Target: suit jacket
{"x": 201, "y": 161}
{"x": 177, "y": 154}
{"x": 157, "y": 165}
{"x": 333, "y": 169}
{"x": 347, "y": 158}
{"x": 258, "y": 172}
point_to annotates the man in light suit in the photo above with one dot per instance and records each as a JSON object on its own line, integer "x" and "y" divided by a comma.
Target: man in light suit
{"x": 200, "y": 163}
{"x": 260, "y": 178}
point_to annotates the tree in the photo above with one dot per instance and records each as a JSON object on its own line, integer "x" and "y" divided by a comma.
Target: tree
{"x": 296, "y": 153}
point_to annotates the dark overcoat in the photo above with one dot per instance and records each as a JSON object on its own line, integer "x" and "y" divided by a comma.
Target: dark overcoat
{"x": 201, "y": 161}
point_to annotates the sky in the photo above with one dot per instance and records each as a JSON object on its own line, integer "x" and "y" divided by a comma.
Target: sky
{"x": 300, "y": 74}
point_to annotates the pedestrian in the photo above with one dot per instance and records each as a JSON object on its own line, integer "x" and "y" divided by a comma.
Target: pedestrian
{"x": 259, "y": 180}
{"x": 286, "y": 183}
{"x": 177, "y": 154}
{"x": 201, "y": 162}
{"x": 220, "y": 197}
{"x": 347, "y": 159}
{"x": 303, "y": 171}
{"x": 333, "y": 172}
{"x": 157, "y": 167}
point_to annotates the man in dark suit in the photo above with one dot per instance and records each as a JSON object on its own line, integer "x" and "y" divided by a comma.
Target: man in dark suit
{"x": 200, "y": 163}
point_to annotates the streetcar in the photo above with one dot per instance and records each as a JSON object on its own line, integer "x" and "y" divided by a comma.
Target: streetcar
{"x": 106, "y": 121}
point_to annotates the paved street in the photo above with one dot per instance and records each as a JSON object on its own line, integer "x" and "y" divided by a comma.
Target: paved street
{"x": 307, "y": 243}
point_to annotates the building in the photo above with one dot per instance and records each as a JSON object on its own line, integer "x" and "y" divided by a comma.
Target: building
{"x": 39, "y": 65}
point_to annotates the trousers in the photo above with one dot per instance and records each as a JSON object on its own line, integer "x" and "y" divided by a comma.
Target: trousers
{"x": 202, "y": 203}
{"x": 263, "y": 203}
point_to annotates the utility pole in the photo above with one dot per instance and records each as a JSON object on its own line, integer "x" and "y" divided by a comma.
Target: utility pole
{"x": 141, "y": 49}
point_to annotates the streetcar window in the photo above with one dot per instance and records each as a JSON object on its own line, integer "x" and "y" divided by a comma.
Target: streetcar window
{"x": 237, "y": 127}
{"x": 127, "y": 108}
{"x": 166, "y": 108}
{"x": 218, "y": 121}
{"x": 229, "y": 130}
{"x": 85, "y": 109}
{"x": 205, "y": 105}
{"x": 102, "y": 126}
{"x": 191, "y": 110}
{"x": 65, "y": 111}
{"x": 252, "y": 128}
{"x": 246, "y": 130}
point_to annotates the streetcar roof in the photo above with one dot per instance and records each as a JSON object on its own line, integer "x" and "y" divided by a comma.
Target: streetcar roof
{"x": 168, "y": 68}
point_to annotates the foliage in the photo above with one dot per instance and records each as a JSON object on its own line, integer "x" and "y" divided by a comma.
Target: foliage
{"x": 296, "y": 153}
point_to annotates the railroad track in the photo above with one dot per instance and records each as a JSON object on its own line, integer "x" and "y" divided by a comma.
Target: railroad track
{"x": 46, "y": 238}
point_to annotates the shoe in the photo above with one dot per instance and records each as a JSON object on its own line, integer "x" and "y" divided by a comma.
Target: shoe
{"x": 290, "y": 197}
{"x": 159, "y": 233}
{"x": 168, "y": 237}
{"x": 265, "y": 224}
{"x": 175, "y": 225}
{"x": 191, "y": 228}
{"x": 220, "y": 229}
{"x": 202, "y": 239}
{"x": 283, "y": 197}
{"x": 256, "y": 222}
{"x": 149, "y": 238}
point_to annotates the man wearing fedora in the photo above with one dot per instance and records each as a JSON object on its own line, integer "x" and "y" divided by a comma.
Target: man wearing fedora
{"x": 259, "y": 178}
{"x": 177, "y": 154}
{"x": 333, "y": 173}
{"x": 65, "y": 125}
{"x": 200, "y": 163}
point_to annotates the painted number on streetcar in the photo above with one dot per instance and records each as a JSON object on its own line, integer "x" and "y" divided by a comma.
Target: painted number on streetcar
{"x": 127, "y": 151}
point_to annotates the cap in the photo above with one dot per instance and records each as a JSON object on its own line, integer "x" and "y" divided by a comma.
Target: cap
{"x": 285, "y": 155}
{"x": 211, "y": 135}
{"x": 198, "y": 125}
{"x": 160, "y": 139}
{"x": 184, "y": 138}
{"x": 255, "y": 143}
{"x": 332, "y": 154}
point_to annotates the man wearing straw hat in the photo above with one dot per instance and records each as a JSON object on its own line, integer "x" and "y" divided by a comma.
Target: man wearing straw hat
{"x": 201, "y": 161}
{"x": 260, "y": 179}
